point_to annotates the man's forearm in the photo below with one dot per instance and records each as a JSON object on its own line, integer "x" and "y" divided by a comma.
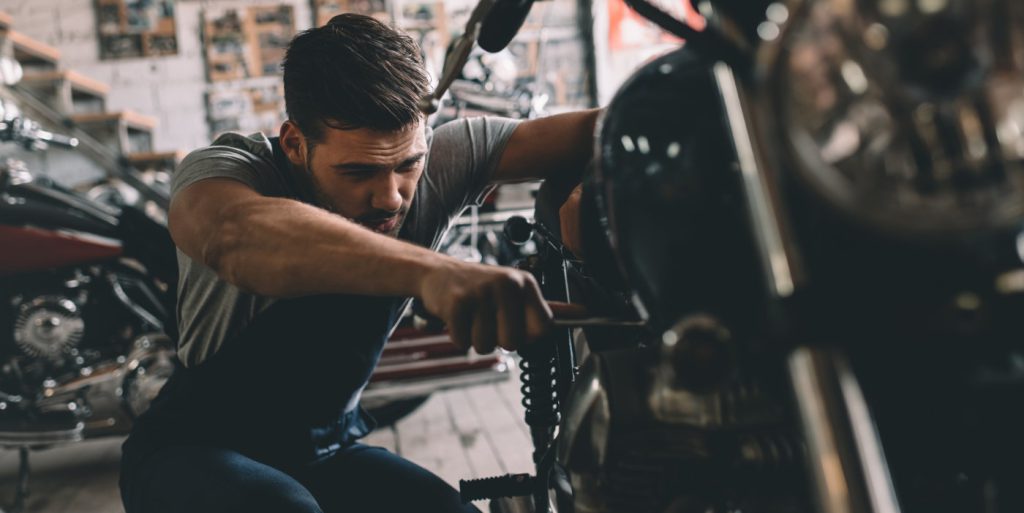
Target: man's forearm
{"x": 281, "y": 248}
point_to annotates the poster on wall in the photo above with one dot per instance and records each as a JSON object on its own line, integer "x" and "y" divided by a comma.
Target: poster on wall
{"x": 246, "y": 42}
{"x": 136, "y": 28}
{"x": 632, "y": 40}
{"x": 246, "y": 106}
{"x": 549, "y": 50}
{"x": 628, "y": 30}
{"x": 244, "y": 48}
{"x": 324, "y": 10}
{"x": 427, "y": 22}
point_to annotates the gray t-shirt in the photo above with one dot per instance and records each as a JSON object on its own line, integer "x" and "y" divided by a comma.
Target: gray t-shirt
{"x": 459, "y": 164}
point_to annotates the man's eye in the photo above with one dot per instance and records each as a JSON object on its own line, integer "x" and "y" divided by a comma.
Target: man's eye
{"x": 359, "y": 175}
{"x": 408, "y": 168}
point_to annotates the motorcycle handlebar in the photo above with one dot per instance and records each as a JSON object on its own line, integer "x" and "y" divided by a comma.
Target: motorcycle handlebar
{"x": 56, "y": 139}
{"x": 28, "y": 133}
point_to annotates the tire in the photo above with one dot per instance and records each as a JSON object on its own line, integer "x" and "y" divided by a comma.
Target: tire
{"x": 389, "y": 413}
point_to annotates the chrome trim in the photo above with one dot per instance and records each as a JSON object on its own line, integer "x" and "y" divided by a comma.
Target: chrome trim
{"x": 765, "y": 218}
{"x": 41, "y": 438}
{"x": 598, "y": 321}
{"x": 427, "y": 363}
{"x": 823, "y": 450}
{"x": 135, "y": 308}
{"x": 404, "y": 344}
{"x": 493, "y": 217}
{"x": 845, "y": 455}
{"x": 869, "y": 446}
{"x": 91, "y": 238}
{"x": 66, "y": 390}
{"x": 380, "y": 392}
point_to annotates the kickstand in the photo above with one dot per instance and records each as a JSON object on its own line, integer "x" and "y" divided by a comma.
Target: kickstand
{"x": 23, "y": 470}
{"x": 22, "y": 492}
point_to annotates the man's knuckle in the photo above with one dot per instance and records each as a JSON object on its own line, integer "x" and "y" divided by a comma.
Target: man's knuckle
{"x": 512, "y": 282}
{"x": 518, "y": 279}
{"x": 462, "y": 296}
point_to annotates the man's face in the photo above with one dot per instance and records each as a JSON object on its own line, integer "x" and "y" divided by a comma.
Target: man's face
{"x": 364, "y": 175}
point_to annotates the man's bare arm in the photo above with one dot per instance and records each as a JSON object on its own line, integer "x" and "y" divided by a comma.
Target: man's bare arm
{"x": 279, "y": 247}
{"x": 556, "y": 147}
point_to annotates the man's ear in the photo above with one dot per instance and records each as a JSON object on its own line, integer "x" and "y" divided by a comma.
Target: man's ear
{"x": 293, "y": 143}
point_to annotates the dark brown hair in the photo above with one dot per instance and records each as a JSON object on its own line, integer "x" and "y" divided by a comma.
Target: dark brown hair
{"x": 354, "y": 72}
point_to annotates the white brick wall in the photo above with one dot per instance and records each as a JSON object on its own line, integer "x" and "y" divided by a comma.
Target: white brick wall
{"x": 169, "y": 88}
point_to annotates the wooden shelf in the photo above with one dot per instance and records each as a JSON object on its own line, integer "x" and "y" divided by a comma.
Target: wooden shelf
{"x": 5, "y": 22}
{"x": 32, "y": 51}
{"x": 156, "y": 157}
{"x": 80, "y": 84}
{"x": 130, "y": 118}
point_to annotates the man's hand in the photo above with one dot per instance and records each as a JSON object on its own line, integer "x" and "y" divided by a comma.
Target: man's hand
{"x": 486, "y": 305}
{"x": 569, "y": 221}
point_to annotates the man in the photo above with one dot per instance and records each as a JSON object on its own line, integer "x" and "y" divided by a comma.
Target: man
{"x": 297, "y": 255}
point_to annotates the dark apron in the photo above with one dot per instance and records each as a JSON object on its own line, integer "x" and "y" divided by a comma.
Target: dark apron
{"x": 284, "y": 392}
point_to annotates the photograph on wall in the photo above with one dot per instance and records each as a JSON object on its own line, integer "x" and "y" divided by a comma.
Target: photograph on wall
{"x": 136, "y": 28}
{"x": 628, "y": 30}
{"x": 247, "y": 106}
{"x": 324, "y": 10}
{"x": 427, "y": 23}
{"x": 247, "y": 42}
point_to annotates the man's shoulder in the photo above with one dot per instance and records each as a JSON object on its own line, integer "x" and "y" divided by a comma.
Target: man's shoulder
{"x": 246, "y": 158}
{"x": 257, "y": 143}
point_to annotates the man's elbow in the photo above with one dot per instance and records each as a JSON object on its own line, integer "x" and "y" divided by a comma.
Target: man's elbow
{"x": 223, "y": 250}
{"x": 242, "y": 269}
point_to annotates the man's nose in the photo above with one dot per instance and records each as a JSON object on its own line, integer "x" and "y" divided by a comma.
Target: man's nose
{"x": 386, "y": 193}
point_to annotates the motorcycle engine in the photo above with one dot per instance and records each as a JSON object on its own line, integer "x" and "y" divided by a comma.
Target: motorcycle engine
{"x": 60, "y": 328}
{"x": 52, "y": 332}
{"x": 48, "y": 326}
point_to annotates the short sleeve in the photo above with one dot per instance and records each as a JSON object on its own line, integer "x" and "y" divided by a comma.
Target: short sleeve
{"x": 230, "y": 156}
{"x": 463, "y": 157}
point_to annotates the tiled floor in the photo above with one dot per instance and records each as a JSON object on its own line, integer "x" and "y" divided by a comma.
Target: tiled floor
{"x": 459, "y": 434}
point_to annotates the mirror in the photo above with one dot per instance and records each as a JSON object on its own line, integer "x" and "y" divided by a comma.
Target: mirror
{"x": 502, "y": 24}
{"x": 10, "y": 71}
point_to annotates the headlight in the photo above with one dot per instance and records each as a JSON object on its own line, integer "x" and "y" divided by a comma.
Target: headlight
{"x": 907, "y": 114}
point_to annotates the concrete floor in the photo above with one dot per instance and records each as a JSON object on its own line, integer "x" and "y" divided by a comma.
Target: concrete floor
{"x": 458, "y": 434}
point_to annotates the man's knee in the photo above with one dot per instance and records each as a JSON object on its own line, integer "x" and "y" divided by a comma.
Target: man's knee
{"x": 247, "y": 486}
{"x": 207, "y": 480}
{"x": 272, "y": 497}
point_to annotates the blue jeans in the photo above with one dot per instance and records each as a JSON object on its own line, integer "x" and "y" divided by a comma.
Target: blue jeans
{"x": 356, "y": 479}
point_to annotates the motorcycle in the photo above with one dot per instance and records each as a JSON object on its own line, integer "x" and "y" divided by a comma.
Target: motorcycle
{"x": 85, "y": 291}
{"x": 832, "y": 322}
{"x": 86, "y": 294}
{"x": 488, "y": 85}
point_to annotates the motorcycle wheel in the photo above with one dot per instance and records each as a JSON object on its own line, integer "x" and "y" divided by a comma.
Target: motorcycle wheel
{"x": 389, "y": 413}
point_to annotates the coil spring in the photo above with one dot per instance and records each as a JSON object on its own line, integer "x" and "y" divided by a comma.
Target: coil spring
{"x": 540, "y": 395}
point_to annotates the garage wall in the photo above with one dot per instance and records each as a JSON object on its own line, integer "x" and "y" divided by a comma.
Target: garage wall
{"x": 168, "y": 88}
{"x": 173, "y": 89}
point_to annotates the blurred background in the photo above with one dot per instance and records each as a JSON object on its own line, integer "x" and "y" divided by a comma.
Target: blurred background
{"x": 107, "y": 96}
